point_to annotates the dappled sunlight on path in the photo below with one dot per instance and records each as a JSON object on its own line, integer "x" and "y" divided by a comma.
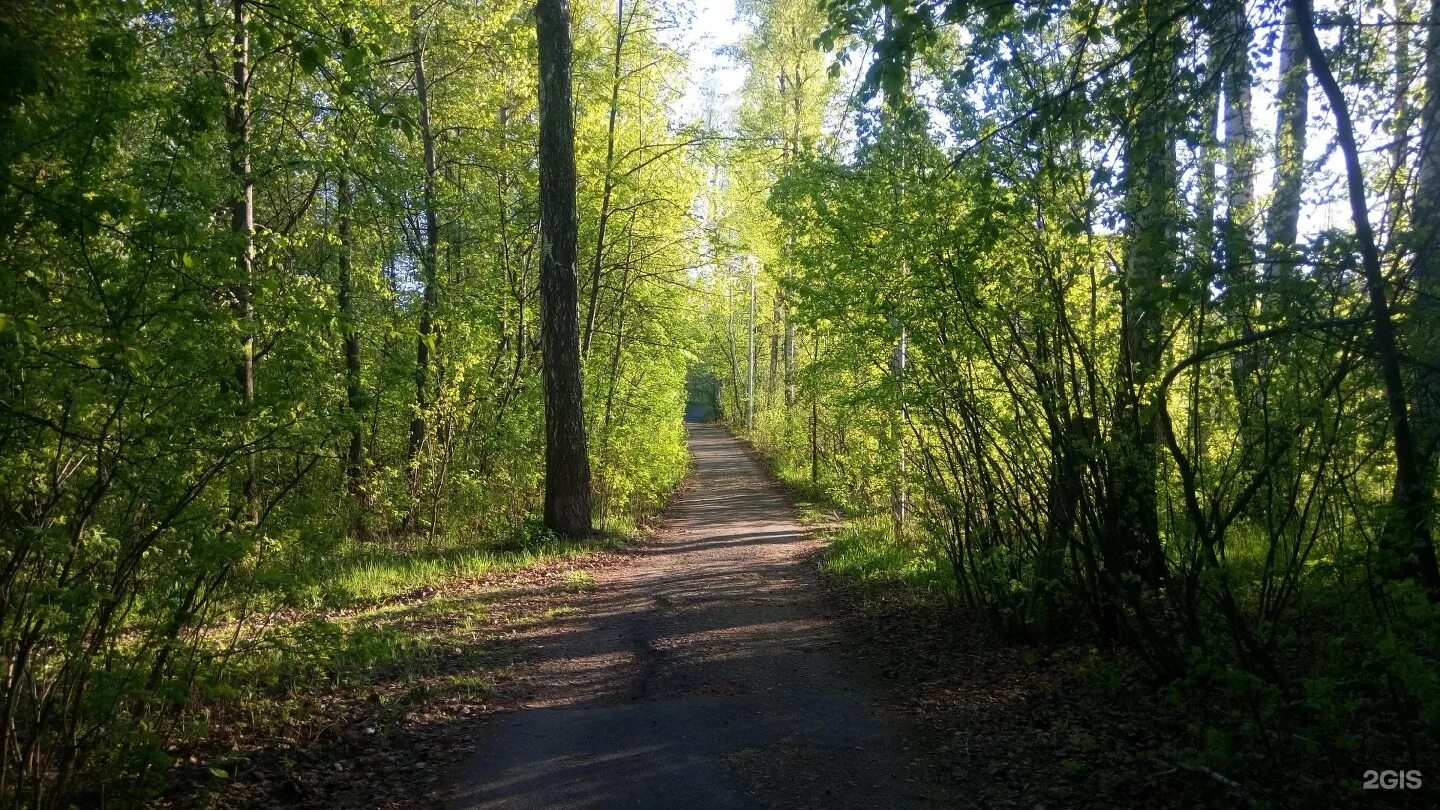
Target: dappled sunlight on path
{"x": 702, "y": 675}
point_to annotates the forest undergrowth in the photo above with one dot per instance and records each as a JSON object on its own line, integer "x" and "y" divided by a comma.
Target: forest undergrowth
{"x": 1071, "y": 720}
{"x": 364, "y": 702}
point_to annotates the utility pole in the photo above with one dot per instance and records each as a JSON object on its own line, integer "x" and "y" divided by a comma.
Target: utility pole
{"x": 750, "y": 385}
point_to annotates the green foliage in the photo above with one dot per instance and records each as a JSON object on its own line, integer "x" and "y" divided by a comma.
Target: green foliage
{"x": 869, "y": 556}
{"x": 1042, "y": 347}
{"x": 147, "y": 497}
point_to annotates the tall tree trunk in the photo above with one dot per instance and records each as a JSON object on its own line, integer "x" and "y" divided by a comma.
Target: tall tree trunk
{"x": 1403, "y": 118}
{"x": 1424, "y": 332}
{"x": 777, "y": 318}
{"x": 429, "y": 260}
{"x": 1406, "y": 550}
{"x": 1133, "y": 545}
{"x": 243, "y": 227}
{"x": 1282, "y": 225}
{"x": 567, "y": 457}
{"x": 1239, "y": 150}
{"x": 349, "y": 326}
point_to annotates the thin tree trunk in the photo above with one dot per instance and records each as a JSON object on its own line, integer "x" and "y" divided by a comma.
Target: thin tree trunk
{"x": 815, "y": 415}
{"x": 1293, "y": 101}
{"x": 750, "y": 366}
{"x": 515, "y": 278}
{"x": 1205, "y": 227}
{"x": 899, "y": 506}
{"x": 1406, "y": 548}
{"x": 429, "y": 261}
{"x": 349, "y": 326}
{"x": 243, "y": 226}
{"x": 732, "y": 352}
{"x": 567, "y": 457}
{"x": 1133, "y": 545}
{"x": 789, "y": 352}
{"x": 597, "y": 266}
{"x": 777, "y": 317}
{"x": 796, "y": 90}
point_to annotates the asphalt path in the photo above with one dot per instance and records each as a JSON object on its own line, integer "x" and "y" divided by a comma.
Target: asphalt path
{"x": 707, "y": 673}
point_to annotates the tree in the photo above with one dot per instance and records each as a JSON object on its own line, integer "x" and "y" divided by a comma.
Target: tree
{"x": 567, "y": 458}
{"x": 242, "y": 224}
{"x": 1133, "y": 548}
{"x": 1424, "y": 330}
{"x": 1293, "y": 101}
{"x": 1406, "y": 546}
{"x": 426, "y": 336}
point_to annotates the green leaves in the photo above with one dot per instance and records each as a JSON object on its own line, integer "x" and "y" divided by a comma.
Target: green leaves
{"x": 310, "y": 57}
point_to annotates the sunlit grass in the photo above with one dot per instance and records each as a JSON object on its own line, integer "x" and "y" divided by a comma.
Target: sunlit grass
{"x": 578, "y": 580}
{"x": 355, "y": 575}
{"x": 864, "y": 553}
{"x": 376, "y": 576}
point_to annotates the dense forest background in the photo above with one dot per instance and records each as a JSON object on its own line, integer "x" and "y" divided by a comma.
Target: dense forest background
{"x": 270, "y": 334}
{"x": 1115, "y": 321}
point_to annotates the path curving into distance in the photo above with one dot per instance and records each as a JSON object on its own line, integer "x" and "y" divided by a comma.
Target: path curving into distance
{"x": 704, "y": 674}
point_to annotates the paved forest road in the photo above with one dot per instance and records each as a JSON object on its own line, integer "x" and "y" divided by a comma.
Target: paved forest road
{"x": 704, "y": 674}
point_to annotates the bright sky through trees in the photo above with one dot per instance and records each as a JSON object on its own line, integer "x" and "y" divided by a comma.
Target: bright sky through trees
{"x": 713, "y": 69}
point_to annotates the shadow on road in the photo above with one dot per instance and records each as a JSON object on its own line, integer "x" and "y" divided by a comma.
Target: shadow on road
{"x": 702, "y": 675}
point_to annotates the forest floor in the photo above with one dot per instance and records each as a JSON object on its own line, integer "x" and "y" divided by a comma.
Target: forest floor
{"x": 713, "y": 665}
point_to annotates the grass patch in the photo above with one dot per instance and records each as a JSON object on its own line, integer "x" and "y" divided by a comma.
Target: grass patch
{"x": 534, "y": 619}
{"x": 578, "y": 579}
{"x": 370, "y": 646}
{"x": 863, "y": 553}
{"x": 366, "y": 574}
{"x": 382, "y": 629}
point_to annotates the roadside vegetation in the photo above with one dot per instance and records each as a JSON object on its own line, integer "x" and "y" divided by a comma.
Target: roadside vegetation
{"x": 270, "y": 349}
{"x": 1113, "y": 326}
